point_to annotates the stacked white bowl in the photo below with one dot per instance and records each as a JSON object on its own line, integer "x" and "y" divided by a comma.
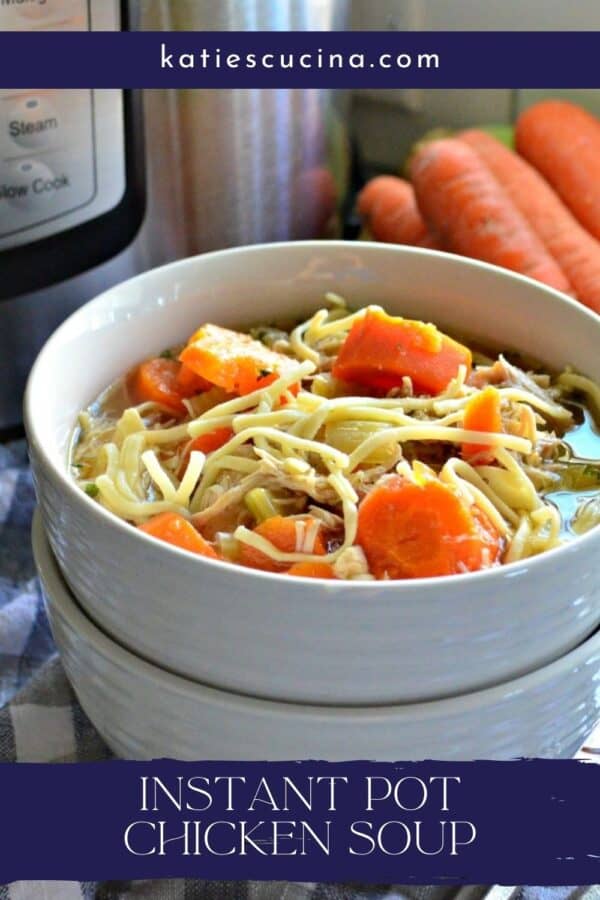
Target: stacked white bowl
{"x": 176, "y": 655}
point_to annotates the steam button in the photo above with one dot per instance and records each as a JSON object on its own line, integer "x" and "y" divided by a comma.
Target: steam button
{"x": 32, "y": 122}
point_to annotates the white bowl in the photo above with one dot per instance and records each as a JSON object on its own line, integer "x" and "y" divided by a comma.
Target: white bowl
{"x": 144, "y": 712}
{"x": 272, "y": 635}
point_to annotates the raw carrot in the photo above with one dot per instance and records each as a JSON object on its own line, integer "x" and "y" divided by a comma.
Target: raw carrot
{"x": 156, "y": 380}
{"x": 410, "y": 530}
{"x": 233, "y": 361}
{"x": 206, "y": 443}
{"x": 287, "y": 535}
{"x": 562, "y": 141}
{"x": 482, "y": 413}
{"x": 573, "y": 248}
{"x": 380, "y": 350}
{"x": 470, "y": 212}
{"x": 174, "y": 529}
{"x": 389, "y": 209}
{"x": 312, "y": 570}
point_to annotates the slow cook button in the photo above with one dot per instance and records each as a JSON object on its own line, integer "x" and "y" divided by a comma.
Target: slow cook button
{"x": 39, "y": 10}
{"x": 31, "y": 185}
{"x": 32, "y": 122}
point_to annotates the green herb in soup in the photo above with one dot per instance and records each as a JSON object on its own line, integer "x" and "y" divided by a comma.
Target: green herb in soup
{"x": 355, "y": 445}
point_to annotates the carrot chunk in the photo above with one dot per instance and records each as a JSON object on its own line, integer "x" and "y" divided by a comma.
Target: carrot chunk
{"x": 190, "y": 383}
{"x": 233, "y": 361}
{"x": 312, "y": 570}
{"x": 159, "y": 380}
{"x": 381, "y": 349}
{"x": 410, "y": 530}
{"x": 213, "y": 440}
{"x": 206, "y": 443}
{"x": 287, "y": 535}
{"x": 174, "y": 529}
{"x": 482, "y": 413}
{"x": 155, "y": 380}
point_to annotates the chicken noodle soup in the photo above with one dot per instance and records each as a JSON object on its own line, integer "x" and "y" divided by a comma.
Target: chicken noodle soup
{"x": 356, "y": 445}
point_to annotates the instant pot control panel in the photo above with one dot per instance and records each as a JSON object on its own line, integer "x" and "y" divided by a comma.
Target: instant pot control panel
{"x": 61, "y": 152}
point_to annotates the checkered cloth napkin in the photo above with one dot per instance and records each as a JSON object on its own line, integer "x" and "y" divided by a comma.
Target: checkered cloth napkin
{"x": 41, "y": 721}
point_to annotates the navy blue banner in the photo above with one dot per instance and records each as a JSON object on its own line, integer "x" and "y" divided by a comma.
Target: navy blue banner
{"x": 522, "y": 822}
{"x": 352, "y": 59}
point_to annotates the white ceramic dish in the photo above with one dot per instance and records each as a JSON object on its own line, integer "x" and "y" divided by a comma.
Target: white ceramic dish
{"x": 271, "y": 635}
{"x": 144, "y": 712}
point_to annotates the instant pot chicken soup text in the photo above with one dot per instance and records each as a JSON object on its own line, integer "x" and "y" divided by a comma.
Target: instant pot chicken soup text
{"x": 356, "y": 445}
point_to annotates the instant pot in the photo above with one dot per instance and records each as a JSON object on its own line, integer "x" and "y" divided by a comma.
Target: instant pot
{"x": 98, "y": 185}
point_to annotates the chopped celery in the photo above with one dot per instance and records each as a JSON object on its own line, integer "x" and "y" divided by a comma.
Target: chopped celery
{"x": 260, "y": 503}
{"x": 348, "y": 435}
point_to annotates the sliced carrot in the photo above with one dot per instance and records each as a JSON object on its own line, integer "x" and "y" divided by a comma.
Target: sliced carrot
{"x": 380, "y": 350}
{"x": 562, "y": 141}
{"x": 482, "y": 413}
{"x": 410, "y": 530}
{"x": 389, "y": 209}
{"x": 312, "y": 570}
{"x": 156, "y": 380}
{"x": 233, "y": 361}
{"x": 174, "y": 529}
{"x": 466, "y": 207}
{"x": 283, "y": 533}
{"x": 206, "y": 443}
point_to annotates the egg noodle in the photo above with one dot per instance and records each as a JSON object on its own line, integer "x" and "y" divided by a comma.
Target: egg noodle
{"x": 320, "y": 448}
